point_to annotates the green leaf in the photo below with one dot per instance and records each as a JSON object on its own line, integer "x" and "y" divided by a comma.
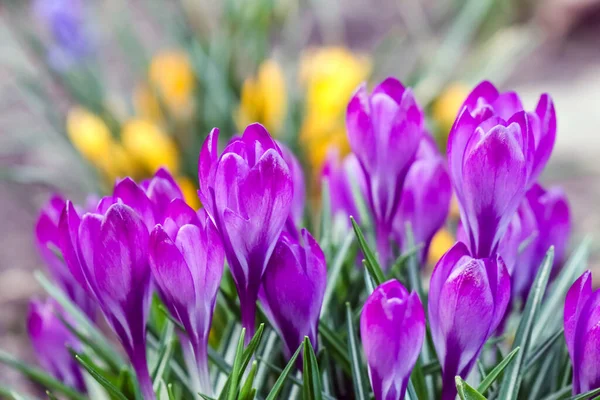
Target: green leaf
{"x": 370, "y": 260}
{"x": 325, "y": 228}
{"x": 164, "y": 358}
{"x": 549, "y": 318}
{"x": 311, "y": 388}
{"x": 431, "y": 368}
{"x": 50, "y": 395}
{"x": 560, "y": 394}
{"x": 40, "y": 377}
{"x": 335, "y": 345}
{"x": 354, "y": 354}
{"x": 465, "y": 391}
{"x": 542, "y": 349}
{"x": 171, "y": 392}
{"x": 495, "y": 373}
{"x": 167, "y": 314}
{"x": 99, "y": 377}
{"x": 334, "y": 272}
{"x": 236, "y": 372}
{"x": 587, "y": 395}
{"x": 513, "y": 376}
{"x": 246, "y": 391}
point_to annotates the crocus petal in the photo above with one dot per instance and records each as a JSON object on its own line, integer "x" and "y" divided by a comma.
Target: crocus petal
{"x": 543, "y": 122}
{"x": 207, "y": 162}
{"x": 392, "y": 327}
{"x": 134, "y": 196}
{"x": 577, "y": 296}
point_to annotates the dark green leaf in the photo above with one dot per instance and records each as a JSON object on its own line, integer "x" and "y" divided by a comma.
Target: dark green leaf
{"x": 431, "y": 368}
{"x": 354, "y": 354}
{"x": 334, "y": 272}
{"x": 245, "y": 393}
{"x": 493, "y": 375}
{"x": 561, "y": 394}
{"x": 541, "y": 350}
{"x": 50, "y": 395}
{"x": 336, "y": 347}
{"x": 99, "y": 377}
{"x": 514, "y": 375}
{"x": 236, "y": 372}
{"x": 465, "y": 391}
{"x": 40, "y": 377}
{"x": 371, "y": 261}
{"x": 171, "y": 392}
{"x": 587, "y": 395}
{"x": 311, "y": 388}
{"x": 167, "y": 314}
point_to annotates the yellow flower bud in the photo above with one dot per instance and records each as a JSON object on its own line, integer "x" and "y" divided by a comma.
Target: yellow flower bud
{"x": 264, "y": 98}
{"x": 149, "y": 145}
{"x": 442, "y": 242}
{"x": 330, "y": 76}
{"x": 171, "y": 75}
{"x": 89, "y": 134}
{"x": 190, "y": 192}
{"x": 446, "y": 107}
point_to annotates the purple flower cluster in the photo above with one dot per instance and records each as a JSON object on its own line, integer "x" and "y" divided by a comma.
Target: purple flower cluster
{"x": 495, "y": 154}
{"x": 144, "y": 237}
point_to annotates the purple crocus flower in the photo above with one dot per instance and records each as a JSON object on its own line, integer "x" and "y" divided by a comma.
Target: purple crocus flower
{"x": 161, "y": 189}
{"x": 51, "y": 341}
{"x": 486, "y": 101}
{"x": 340, "y": 175}
{"x": 425, "y": 199}
{"x": 47, "y": 240}
{"x": 392, "y": 328}
{"x": 108, "y": 255}
{"x": 247, "y": 191}
{"x": 384, "y": 131}
{"x": 186, "y": 258}
{"x": 490, "y": 165}
{"x": 293, "y": 288}
{"x": 582, "y": 333}
{"x": 65, "y": 21}
{"x": 467, "y": 300}
{"x": 297, "y": 212}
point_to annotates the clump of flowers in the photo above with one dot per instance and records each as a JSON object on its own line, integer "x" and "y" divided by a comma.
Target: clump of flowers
{"x": 228, "y": 299}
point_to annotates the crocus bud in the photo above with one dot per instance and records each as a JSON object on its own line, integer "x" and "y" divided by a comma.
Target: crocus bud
{"x": 485, "y": 101}
{"x": 108, "y": 254}
{"x": 186, "y": 258}
{"x": 392, "y": 328}
{"x": 581, "y": 322}
{"x": 161, "y": 189}
{"x": 384, "y": 131}
{"x": 47, "y": 240}
{"x": 425, "y": 199}
{"x": 293, "y": 289}
{"x": 247, "y": 192}
{"x": 51, "y": 341}
{"x": 297, "y": 212}
{"x": 490, "y": 164}
{"x": 467, "y": 300}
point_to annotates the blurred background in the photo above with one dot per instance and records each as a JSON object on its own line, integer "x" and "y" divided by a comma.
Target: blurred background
{"x": 93, "y": 90}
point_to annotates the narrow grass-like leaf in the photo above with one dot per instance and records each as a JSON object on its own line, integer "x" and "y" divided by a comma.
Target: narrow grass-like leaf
{"x": 245, "y": 393}
{"x": 97, "y": 375}
{"x": 81, "y": 320}
{"x": 542, "y": 349}
{"x": 171, "y": 392}
{"x": 278, "y": 386}
{"x": 167, "y": 314}
{"x": 371, "y": 261}
{"x": 465, "y": 391}
{"x": 311, "y": 388}
{"x": 336, "y": 347}
{"x": 495, "y": 373}
{"x": 325, "y": 228}
{"x": 549, "y": 318}
{"x": 560, "y": 394}
{"x": 587, "y": 395}
{"x": 334, "y": 272}
{"x": 236, "y": 372}
{"x": 514, "y": 374}
{"x": 431, "y": 368}
{"x": 354, "y": 354}
{"x": 40, "y": 376}
{"x": 50, "y": 395}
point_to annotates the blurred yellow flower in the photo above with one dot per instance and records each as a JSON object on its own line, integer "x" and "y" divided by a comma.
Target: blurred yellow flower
{"x": 190, "y": 192}
{"x": 263, "y": 98}
{"x": 89, "y": 134}
{"x": 118, "y": 164}
{"x": 170, "y": 77}
{"x": 448, "y": 103}
{"x": 330, "y": 76}
{"x": 442, "y": 242}
{"x": 149, "y": 145}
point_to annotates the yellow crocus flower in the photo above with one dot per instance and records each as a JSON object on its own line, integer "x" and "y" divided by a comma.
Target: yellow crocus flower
{"x": 442, "y": 242}
{"x": 330, "y": 76}
{"x": 190, "y": 192}
{"x": 263, "y": 98}
{"x": 89, "y": 134}
{"x": 446, "y": 107}
{"x": 149, "y": 145}
{"x": 171, "y": 77}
